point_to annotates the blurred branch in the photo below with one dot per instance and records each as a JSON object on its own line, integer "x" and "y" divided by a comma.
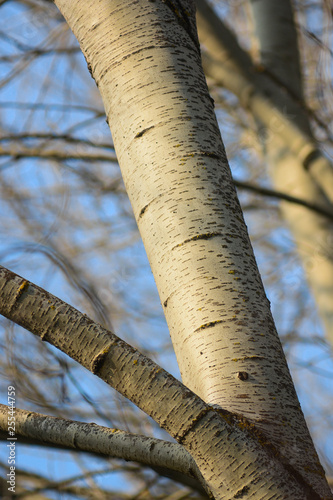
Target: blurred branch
{"x": 52, "y": 106}
{"x": 55, "y": 137}
{"x": 19, "y": 151}
{"x": 30, "y": 483}
{"x": 271, "y": 193}
{"x": 232, "y": 67}
{"x": 40, "y": 52}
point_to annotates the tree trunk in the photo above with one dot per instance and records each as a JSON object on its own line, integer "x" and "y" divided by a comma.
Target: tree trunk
{"x": 276, "y": 33}
{"x": 145, "y": 59}
{"x": 275, "y": 99}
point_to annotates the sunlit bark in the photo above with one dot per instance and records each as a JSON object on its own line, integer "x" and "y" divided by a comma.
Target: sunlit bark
{"x": 145, "y": 59}
{"x": 233, "y": 457}
{"x": 36, "y": 429}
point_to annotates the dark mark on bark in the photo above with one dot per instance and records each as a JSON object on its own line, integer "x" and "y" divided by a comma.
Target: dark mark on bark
{"x": 180, "y": 437}
{"x": 310, "y": 158}
{"x": 208, "y": 325}
{"x": 242, "y": 492}
{"x": 205, "y": 236}
{"x": 98, "y": 361}
{"x": 140, "y": 134}
{"x": 142, "y": 211}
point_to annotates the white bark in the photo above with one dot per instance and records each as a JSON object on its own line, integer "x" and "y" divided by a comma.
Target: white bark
{"x": 145, "y": 59}
{"x": 93, "y": 438}
{"x": 289, "y": 145}
{"x": 234, "y": 459}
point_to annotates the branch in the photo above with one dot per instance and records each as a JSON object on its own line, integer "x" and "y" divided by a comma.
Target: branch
{"x": 18, "y": 151}
{"x": 216, "y": 438}
{"x": 64, "y": 108}
{"x": 55, "y": 137}
{"x": 34, "y": 52}
{"x": 283, "y": 196}
{"x": 29, "y": 483}
{"x": 162, "y": 456}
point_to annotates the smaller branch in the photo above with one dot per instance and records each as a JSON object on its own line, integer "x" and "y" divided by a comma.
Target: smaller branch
{"x": 69, "y": 108}
{"x": 17, "y": 138}
{"x": 33, "y": 484}
{"x": 18, "y": 152}
{"x": 40, "y": 52}
{"x": 187, "y": 418}
{"x": 285, "y": 197}
{"x": 162, "y": 456}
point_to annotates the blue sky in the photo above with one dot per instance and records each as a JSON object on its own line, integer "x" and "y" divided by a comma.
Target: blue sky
{"x": 66, "y": 214}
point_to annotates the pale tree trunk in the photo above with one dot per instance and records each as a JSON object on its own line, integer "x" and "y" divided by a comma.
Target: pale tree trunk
{"x": 276, "y": 104}
{"x": 145, "y": 59}
{"x": 276, "y": 33}
{"x": 233, "y": 68}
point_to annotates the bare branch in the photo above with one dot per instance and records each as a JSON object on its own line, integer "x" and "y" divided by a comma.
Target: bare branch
{"x": 34, "y": 428}
{"x": 185, "y": 416}
{"x": 283, "y": 196}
